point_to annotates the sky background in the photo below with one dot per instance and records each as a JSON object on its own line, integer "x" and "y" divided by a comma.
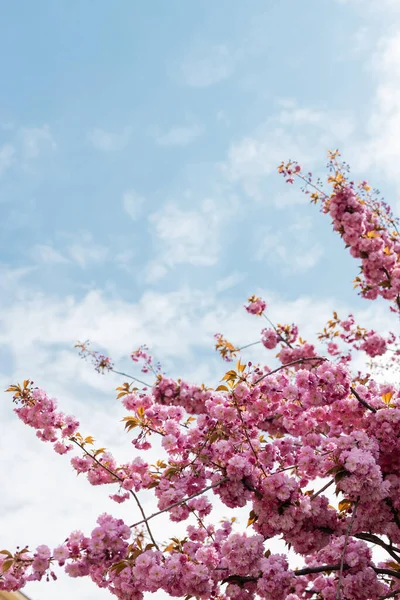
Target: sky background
{"x": 140, "y": 204}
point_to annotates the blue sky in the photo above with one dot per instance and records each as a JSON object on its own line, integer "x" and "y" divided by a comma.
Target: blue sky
{"x": 150, "y": 103}
{"x": 140, "y": 200}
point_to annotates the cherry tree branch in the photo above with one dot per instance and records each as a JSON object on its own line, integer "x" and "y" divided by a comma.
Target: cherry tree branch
{"x": 277, "y": 332}
{"x": 120, "y": 479}
{"x": 180, "y": 502}
{"x": 361, "y": 401}
{"x": 299, "y": 361}
{"x": 374, "y": 539}
{"x": 131, "y": 377}
{"x": 346, "y": 541}
{"x": 390, "y": 595}
{"x": 322, "y": 489}
{"x": 314, "y": 570}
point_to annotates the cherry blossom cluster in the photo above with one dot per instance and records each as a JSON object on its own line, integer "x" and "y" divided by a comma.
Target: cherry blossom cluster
{"x": 308, "y": 448}
{"x": 101, "y": 362}
{"x": 143, "y": 355}
{"x": 365, "y": 224}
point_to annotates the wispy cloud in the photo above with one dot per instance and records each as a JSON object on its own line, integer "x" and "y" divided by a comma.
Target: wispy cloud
{"x": 230, "y": 281}
{"x": 11, "y": 278}
{"x": 381, "y": 149}
{"x": 36, "y": 141}
{"x": 84, "y": 250}
{"x": 133, "y": 204}
{"x": 45, "y": 253}
{"x": 107, "y": 141}
{"x": 292, "y": 131}
{"x": 208, "y": 66}
{"x": 7, "y": 153}
{"x": 180, "y": 136}
{"x": 290, "y": 249}
{"x": 185, "y": 236}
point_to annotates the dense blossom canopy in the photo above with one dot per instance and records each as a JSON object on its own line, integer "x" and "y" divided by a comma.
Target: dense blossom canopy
{"x": 279, "y": 441}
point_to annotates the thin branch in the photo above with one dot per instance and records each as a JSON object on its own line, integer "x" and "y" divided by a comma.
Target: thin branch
{"x": 246, "y": 433}
{"x": 389, "y": 572}
{"x": 374, "y": 539}
{"x": 361, "y": 401}
{"x": 120, "y": 479}
{"x": 277, "y": 332}
{"x": 390, "y": 595}
{"x": 346, "y": 541}
{"x": 394, "y": 511}
{"x": 248, "y": 346}
{"x": 299, "y": 361}
{"x": 322, "y": 489}
{"x": 180, "y": 502}
{"x": 131, "y": 377}
{"x": 320, "y": 569}
{"x": 311, "y": 571}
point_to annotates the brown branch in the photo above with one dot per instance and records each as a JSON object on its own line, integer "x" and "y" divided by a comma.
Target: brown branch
{"x": 277, "y": 332}
{"x": 248, "y": 346}
{"x": 180, "y": 502}
{"x": 131, "y": 377}
{"x": 346, "y": 541}
{"x": 389, "y": 572}
{"x": 120, "y": 479}
{"x": 361, "y": 401}
{"x": 239, "y": 579}
{"x": 322, "y": 489}
{"x": 321, "y": 569}
{"x": 290, "y": 364}
{"x": 394, "y": 511}
{"x": 374, "y": 539}
{"x": 246, "y": 433}
{"x": 390, "y": 595}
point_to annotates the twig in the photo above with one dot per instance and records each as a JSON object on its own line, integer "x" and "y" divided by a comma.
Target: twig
{"x": 120, "y": 479}
{"x": 248, "y": 346}
{"x": 361, "y": 401}
{"x": 346, "y": 541}
{"x": 389, "y": 572}
{"x": 390, "y": 595}
{"x": 290, "y": 364}
{"x": 180, "y": 502}
{"x": 246, "y": 433}
{"x": 277, "y": 332}
{"x": 394, "y": 511}
{"x": 374, "y": 539}
{"x": 131, "y": 377}
{"x": 322, "y": 489}
{"x": 320, "y": 569}
{"x": 311, "y": 571}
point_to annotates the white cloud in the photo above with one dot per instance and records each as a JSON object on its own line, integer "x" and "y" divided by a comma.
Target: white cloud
{"x": 124, "y": 261}
{"x": 7, "y": 152}
{"x": 374, "y": 7}
{"x": 185, "y": 236}
{"x": 36, "y": 141}
{"x": 180, "y": 136}
{"x": 230, "y": 281}
{"x": 300, "y": 133}
{"x": 290, "y": 248}
{"x": 49, "y": 255}
{"x": 84, "y": 250}
{"x": 43, "y": 499}
{"x": 107, "y": 141}
{"x": 381, "y": 148}
{"x": 208, "y": 66}
{"x": 155, "y": 271}
{"x": 11, "y": 278}
{"x": 133, "y": 204}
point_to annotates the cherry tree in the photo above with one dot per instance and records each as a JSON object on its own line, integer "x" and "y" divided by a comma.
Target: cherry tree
{"x": 310, "y": 448}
